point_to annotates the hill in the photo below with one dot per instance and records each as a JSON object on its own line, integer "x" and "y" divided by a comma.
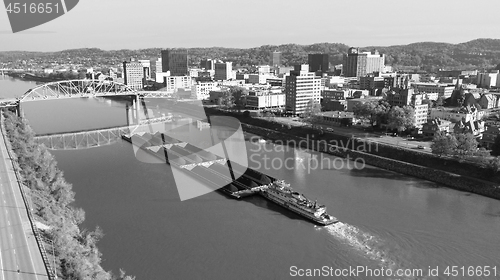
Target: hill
{"x": 475, "y": 54}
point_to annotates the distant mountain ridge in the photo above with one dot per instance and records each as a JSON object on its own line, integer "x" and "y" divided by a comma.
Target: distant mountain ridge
{"x": 480, "y": 53}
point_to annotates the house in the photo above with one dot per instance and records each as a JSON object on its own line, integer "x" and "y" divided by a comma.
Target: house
{"x": 489, "y": 135}
{"x": 465, "y": 113}
{"x": 488, "y": 101}
{"x": 436, "y": 125}
{"x": 471, "y": 98}
{"x": 476, "y": 128}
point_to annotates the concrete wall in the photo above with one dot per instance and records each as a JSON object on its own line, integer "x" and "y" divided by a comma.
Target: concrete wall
{"x": 450, "y": 180}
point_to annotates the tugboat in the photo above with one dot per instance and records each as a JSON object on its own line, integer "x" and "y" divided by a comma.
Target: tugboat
{"x": 281, "y": 193}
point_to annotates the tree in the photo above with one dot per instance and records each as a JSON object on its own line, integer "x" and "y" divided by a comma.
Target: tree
{"x": 494, "y": 165}
{"x": 440, "y": 101}
{"x": 227, "y": 100}
{"x": 482, "y": 152}
{"x": 313, "y": 109}
{"x": 443, "y": 144}
{"x": 373, "y": 111}
{"x": 429, "y": 102}
{"x": 239, "y": 95}
{"x": 401, "y": 118}
{"x": 466, "y": 145}
{"x": 495, "y": 149}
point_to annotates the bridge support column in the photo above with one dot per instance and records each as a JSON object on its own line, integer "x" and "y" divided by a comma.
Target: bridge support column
{"x": 19, "y": 111}
{"x": 135, "y": 105}
{"x": 138, "y": 108}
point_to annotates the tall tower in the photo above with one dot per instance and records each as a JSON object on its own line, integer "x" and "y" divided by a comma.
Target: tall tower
{"x": 276, "y": 59}
{"x": 359, "y": 64}
{"x": 133, "y": 74}
{"x": 301, "y": 88}
{"x": 318, "y": 62}
{"x": 175, "y": 61}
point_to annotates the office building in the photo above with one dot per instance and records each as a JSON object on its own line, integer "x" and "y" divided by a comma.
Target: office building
{"x": 318, "y": 62}
{"x": 175, "y": 61}
{"x": 373, "y": 84}
{"x": 207, "y": 64}
{"x": 488, "y": 80}
{"x": 444, "y": 90}
{"x": 146, "y": 66}
{"x": 158, "y": 66}
{"x": 276, "y": 59}
{"x": 174, "y": 83}
{"x": 360, "y": 64}
{"x": 223, "y": 71}
{"x": 201, "y": 90}
{"x": 133, "y": 73}
{"x": 261, "y": 100}
{"x": 302, "y": 89}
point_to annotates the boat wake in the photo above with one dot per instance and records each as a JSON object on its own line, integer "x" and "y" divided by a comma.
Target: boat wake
{"x": 366, "y": 244}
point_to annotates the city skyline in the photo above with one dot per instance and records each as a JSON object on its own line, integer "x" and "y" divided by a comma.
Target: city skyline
{"x": 218, "y": 23}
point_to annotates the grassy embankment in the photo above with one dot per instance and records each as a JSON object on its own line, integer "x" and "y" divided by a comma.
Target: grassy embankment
{"x": 75, "y": 250}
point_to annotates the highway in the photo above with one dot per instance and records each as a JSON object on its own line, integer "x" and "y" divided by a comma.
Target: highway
{"x": 20, "y": 257}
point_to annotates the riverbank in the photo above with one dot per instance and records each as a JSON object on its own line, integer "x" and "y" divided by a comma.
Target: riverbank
{"x": 391, "y": 158}
{"x": 73, "y": 250}
{"x": 33, "y": 78}
{"x": 454, "y": 181}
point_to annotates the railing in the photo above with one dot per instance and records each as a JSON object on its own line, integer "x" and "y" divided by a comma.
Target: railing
{"x": 13, "y": 158}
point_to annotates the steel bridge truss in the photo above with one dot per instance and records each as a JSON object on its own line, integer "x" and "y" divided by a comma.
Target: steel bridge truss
{"x": 96, "y": 138}
{"x": 77, "y": 88}
{"x": 82, "y": 140}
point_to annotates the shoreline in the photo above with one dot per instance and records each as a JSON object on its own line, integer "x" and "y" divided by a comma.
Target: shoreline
{"x": 397, "y": 162}
{"x": 448, "y": 179}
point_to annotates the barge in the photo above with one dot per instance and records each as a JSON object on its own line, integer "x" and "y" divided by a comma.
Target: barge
{"x": 248, "y": 182}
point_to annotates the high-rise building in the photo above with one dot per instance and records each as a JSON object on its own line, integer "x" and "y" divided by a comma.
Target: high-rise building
{"x": 488, "y": 80}
{"x": 223, "y": 71}
{"x": 146, "y": 65}
{"x": 207, "y": 64}
{"x": 175, "y": 61}
{"x": 318, "y": 62}
{"x": 133, "y": 73}
{"x": 359, "y": 64}
{"x": 158, "y": 65}
{"x": 276, "y": 59}
{"x": 302, "y": 90}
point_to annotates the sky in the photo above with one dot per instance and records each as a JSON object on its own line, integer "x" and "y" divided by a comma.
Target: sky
{"x": 139, "y": 24}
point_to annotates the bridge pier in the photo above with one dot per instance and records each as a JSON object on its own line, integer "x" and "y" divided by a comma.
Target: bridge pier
{"x": 19, "y": 111}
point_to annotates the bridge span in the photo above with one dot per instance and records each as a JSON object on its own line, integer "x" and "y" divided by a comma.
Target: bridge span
{"x": 85, "y": 139}
{"x": 79, "y": 89}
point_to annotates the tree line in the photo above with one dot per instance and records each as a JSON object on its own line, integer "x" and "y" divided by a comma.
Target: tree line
{"x": 381, "y": 112}
{"x": 476, "y": 54}
{"x": 75, "y": 250}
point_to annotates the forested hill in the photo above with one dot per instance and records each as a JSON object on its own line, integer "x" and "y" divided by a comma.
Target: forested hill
{"x": 480, "y": 53}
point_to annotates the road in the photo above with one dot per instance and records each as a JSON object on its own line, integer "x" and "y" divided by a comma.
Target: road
{"x": 20, "y": 257}
{"x": 377, "y": 137}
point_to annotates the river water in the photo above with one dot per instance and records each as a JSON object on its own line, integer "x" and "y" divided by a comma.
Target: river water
{"x": 388, "y": 220}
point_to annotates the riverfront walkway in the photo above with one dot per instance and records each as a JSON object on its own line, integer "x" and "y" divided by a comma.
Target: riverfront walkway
{"x": 20, "y": 257}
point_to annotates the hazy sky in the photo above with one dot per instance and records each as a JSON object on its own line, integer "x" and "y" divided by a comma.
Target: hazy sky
{"x": 136, "y": 24}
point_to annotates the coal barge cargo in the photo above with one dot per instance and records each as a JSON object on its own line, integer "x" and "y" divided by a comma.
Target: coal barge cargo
{"x": 212, "y": 169}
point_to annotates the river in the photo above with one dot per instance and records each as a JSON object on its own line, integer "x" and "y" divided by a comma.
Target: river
{"x": 388, "y": 220}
